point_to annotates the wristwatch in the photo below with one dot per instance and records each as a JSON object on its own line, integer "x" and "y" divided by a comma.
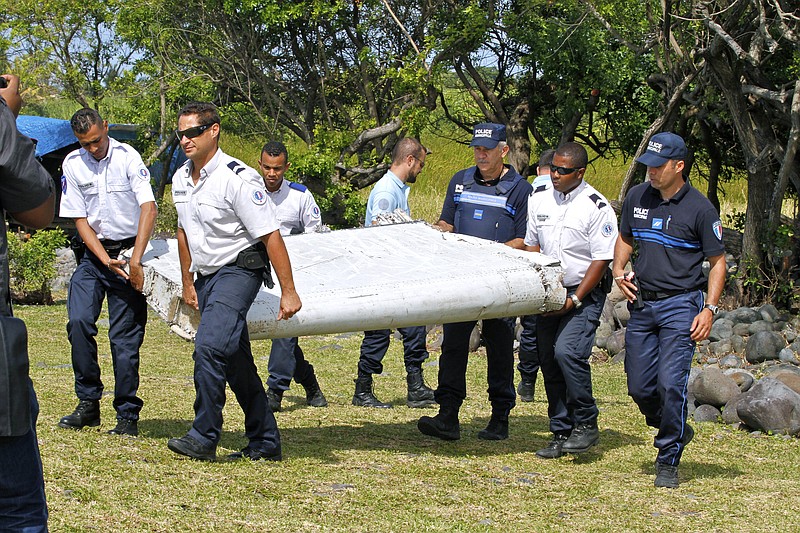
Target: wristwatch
{"x": 713, "y": 308}
{"x": 576, "y": 300}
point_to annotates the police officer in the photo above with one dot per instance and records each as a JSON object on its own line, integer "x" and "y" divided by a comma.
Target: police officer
{"x": 297, "y": 212}
{"x": 106, "y": 189}
{"x": 674, "y": 227}
{"x": 489, "y": 200}
{"x": 575, "y": 224}
{"x": 227, "y": 236}
{"x": 528, "y": 365}
{"x": 26, "y": 190}
{"x": 388, "y": 194}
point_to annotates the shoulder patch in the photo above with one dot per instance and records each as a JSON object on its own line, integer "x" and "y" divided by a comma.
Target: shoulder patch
{"x": 259, "y": 197}
{"x": 717, "y": 228}
{"x": 297, "y": 186}
{"x": 598, "y": 201}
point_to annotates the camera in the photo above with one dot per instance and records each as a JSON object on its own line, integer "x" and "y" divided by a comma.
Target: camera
{"x": 3, "y": 83}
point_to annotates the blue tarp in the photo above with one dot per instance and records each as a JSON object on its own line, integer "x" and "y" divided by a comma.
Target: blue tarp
{"x": 51, "y": 133}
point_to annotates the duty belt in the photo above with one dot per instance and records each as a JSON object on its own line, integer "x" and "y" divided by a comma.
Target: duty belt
{"x": 660, "y": 295}
{"x": 115, "y": 247}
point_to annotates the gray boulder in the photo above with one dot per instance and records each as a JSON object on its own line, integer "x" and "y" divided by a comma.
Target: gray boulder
{"x": 712, "y": 387}
{"x": 787, "y": 355}
{"x": 737, "y": 343}
{"x": 771, "y": 406}
{"x": 781, "y": 368}
{"x": 743, "y": 379}
{"x": 790, "y": 379}
{"x": 619, "y": 357}
{"x": 706, "y": 413}
{"x": 721, "y": 329}
{"x": 769, "y": 312}
{"x": 730, "y": 361}
{"x": 720, "y": 348}
{"x": 745, "y": 315}
{"x": 790, "y": 334}
{"x": 622, "y": 313}
{"x": 760, "y": 325}
{"x": 764, "y": 346}
{"x": 615, "y": 343}
{"x": 729, "y": 412}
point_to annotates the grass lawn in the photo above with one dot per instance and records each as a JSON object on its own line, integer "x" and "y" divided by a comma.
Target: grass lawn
{"x": 357, "y": 469}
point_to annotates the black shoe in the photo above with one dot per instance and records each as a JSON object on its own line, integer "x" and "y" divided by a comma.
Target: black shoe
{"x": 419, "y": 394}
{"x": 188, "y": 446}
{"x": 87, "y": 413}
{"x": 583, "y": 437}
{"x": 497, "y": 429}
{"x": 525, "y": 390}
{"x": 666, "y": 476}
{"x": 688, "y": 435}
{"x": 255, "y": 455}
{"x": 553, "y": 448}
{"x": 364, "y": 397}
{"x": 125, "y": 426}
{"x": 442, "y": 426}
{"x": 314, "y": 396}
{"x": 274, "y": 397}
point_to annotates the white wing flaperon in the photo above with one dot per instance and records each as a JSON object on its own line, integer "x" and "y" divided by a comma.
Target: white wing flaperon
{"x": 378, "y": 277}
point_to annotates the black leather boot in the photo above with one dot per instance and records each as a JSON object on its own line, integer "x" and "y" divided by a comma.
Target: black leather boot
{"x": 87, "y": 413}
{"x": 583, "y": 437}
{"x": 274, "y": 397}
{"x": 364, "y": 396}
{"x": 314, "y": 396}
{"x": 442, "y": 426}
{"x": 497, "y": 429}
{"x": 419, "y": 394}
{"x": 526, "y": 389}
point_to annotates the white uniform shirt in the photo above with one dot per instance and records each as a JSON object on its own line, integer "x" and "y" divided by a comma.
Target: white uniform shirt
{"x": 296, "y": 209}
{"x": 576, "y": 228}
{"x": 224, "y": 213}
{"x": 109, "y": 192}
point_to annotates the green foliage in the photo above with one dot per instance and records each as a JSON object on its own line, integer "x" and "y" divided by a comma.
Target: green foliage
{"x": 167, "y": 220}
{"x": 31, "y": 263}
{"x": 339, "y": 201}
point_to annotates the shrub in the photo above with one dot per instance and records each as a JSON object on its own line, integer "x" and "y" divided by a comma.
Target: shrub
{"x": 31, "y": 264}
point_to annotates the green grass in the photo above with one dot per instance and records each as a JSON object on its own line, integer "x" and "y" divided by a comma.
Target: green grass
{"x": 356, "y": 469}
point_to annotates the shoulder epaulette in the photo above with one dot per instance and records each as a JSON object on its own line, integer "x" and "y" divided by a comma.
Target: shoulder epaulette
{"x": 598, "y": 201}
{"x": 236, "y": 167}
{"x": 540, "y": 188}
{"x": 297, "y": 186}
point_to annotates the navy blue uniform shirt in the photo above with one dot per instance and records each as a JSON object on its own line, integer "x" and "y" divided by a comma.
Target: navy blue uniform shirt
{"x": 673, "y": 236}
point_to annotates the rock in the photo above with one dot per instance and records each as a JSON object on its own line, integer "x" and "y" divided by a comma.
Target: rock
{"x": 616, "y": 342}
{"x": 475, "y": 338}
{"x": 789, "y": 334}
{"x": 771, "y": 406}
{"x": 789, "y": 379}
{"x": 729, "y": 413}
{"x": 743, "y": 379}
{"x": 604, "y": 330}
{"x": 787, "y": 355}
{"x": 742, "y": 329}
{"x": 720, "y": 348}
{"x": 780, "y": 368}
{"x": 769, "y": 312}
{"x": 706, "y": 413}
{"x": 731, "y": 361}
{"x": 622, "y": 313}
{"x": 760, "y": 325}
{"x": 619, "y": 357}
{"x": 764, "y": 346}
{"x": 744, "y": 315}
{"x": 721, "y": 329}
{"x": 712, "y": 387}
{"x": 737, "y": 343}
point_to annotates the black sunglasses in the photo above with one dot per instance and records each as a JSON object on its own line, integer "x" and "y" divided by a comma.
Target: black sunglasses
{"x": 563, "y": 170}
{"x": 191, "y": 133}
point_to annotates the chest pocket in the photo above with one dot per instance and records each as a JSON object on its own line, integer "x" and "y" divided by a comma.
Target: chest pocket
{"x": 88, "y": 188}
{"x": 118, "y": 185}
{"x": 215, "y": 211}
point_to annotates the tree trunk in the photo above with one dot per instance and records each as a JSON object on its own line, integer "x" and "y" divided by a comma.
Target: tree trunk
{"x": 519, "y": 154}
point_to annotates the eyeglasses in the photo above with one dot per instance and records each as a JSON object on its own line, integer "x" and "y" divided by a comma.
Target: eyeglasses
{"x": 191, "y": 133}
{"x": 563, "y": 170}
{"x": 421, "y": 162}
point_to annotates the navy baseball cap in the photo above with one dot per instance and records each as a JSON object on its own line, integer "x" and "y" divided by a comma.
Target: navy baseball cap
{"x": 662, "y": 148}
{"x": 488, "y": 134}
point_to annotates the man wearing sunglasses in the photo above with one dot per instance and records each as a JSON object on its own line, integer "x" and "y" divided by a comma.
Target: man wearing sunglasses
{"x": 674, "y": 228}
{"x": 297, "y": 212}
{"x": 106, "y": 189}
{"x": 490, "y": 201}
{"x": 575, "y": 224}
{"x": 228, "y": 234}
{"x": 388, "y": 194}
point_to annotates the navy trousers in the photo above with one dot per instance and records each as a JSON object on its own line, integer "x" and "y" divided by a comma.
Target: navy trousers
{"x": 658, "y": 358}
{"x": 376, "y": 342}
{"x": 286, "y": 361}
{"x": 22, "y": 501}
{"x": 127, "y": 314}
{"x": 528, "y": 365}
{"x": 498, "y": 336}
{"x": 222, "y": 353}
{"x": 565, "y": 345}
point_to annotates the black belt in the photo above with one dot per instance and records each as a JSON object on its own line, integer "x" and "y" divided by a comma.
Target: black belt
{"x": 660, "y": 295}
{"x": 118, "y": 246}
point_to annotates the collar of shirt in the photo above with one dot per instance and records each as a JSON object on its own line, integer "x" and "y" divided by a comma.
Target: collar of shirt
{"x": 281, "y": 188}
{"x": 210, "y": 167}
{"x": 397, "y": 181}
{"x": 89, "y": 158}
{"x": 676, "y": 198}
{"x": 562, "y": 198}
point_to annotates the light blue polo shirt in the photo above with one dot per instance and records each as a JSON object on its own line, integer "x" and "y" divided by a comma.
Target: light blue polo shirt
{"x": 388, "y": 194}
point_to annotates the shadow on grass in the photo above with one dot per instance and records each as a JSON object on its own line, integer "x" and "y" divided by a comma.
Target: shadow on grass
{"x": 527, "y": 433}
{"x": 696, "y": 470}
